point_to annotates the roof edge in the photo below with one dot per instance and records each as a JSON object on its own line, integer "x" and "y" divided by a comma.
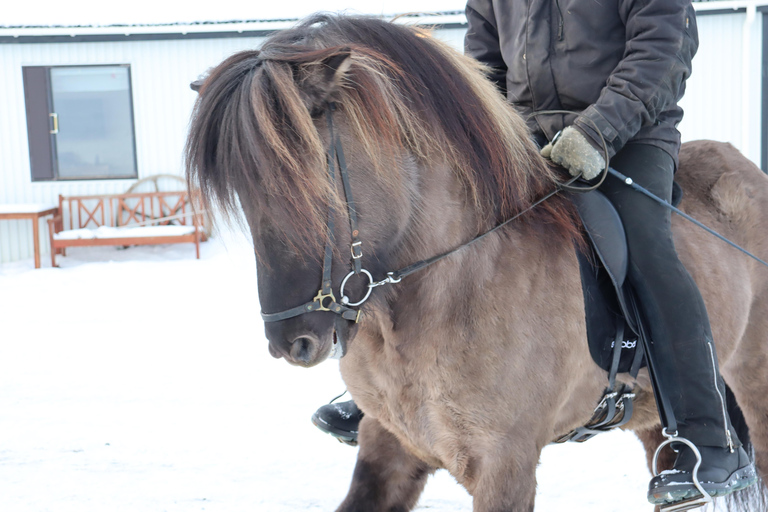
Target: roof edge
{"x": 196, "y": 30}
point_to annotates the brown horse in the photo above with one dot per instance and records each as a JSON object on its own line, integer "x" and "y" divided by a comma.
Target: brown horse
{"x": 477, "y": 362}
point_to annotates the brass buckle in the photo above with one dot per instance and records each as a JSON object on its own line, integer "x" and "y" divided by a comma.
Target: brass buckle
{"x": 320, "y": 297}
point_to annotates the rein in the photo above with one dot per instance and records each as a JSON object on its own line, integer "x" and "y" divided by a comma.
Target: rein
{"x": 325, "y": 300}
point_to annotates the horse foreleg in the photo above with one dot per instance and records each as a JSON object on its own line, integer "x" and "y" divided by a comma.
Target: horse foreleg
{"x": 386, "y": 477}
{"x": 651, "y": 439}
{"x": 505, "y": 481}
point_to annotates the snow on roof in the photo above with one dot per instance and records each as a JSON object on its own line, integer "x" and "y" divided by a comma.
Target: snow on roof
{"x": 201, "y": 23}
{"x": 97, "y": 13}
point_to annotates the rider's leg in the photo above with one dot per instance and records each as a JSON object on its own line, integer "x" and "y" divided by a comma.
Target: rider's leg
{"x": 681, "y": 338}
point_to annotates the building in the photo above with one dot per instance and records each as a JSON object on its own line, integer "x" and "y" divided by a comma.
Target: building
{"x": 129, "y": 85}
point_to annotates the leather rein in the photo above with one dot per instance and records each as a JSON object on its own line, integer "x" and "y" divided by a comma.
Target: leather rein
{"x": 325, "y": 300}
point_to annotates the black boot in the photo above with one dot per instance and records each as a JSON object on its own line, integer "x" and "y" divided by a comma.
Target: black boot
{"x": 341, "y": 420}
{"x": 721, "y": 472}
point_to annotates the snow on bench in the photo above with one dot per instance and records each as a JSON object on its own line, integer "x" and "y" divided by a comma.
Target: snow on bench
{"x": 125, "y": 219}
{"x": 108, "y": 232}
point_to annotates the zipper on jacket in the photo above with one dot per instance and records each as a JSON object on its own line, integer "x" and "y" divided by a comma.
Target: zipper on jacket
{"x": 560, "y": 21}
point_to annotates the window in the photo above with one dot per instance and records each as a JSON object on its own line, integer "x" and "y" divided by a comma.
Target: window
{"x": 80, "y": 122}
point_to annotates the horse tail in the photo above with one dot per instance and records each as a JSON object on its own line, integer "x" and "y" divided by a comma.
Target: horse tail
{"x": 754, "y": 497}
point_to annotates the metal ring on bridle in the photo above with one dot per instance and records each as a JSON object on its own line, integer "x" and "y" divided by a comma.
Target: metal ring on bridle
{"x": 345, "y": 299}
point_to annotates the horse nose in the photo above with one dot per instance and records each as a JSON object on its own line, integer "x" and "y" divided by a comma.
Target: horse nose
{"x": 302, "y": 350}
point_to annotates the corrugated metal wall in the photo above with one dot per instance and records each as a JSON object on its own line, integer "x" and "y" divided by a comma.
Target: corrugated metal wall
{"x": 714, "y": 102}
{"x": 162, "y": 70}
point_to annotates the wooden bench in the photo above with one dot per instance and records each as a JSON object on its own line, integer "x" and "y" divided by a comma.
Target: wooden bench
{"x": 144, "y": 218}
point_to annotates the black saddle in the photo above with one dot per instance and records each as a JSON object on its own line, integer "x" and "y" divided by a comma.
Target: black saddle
{"x": 608, "y": 298}
{"x": 615, "y": 328}
{"x": 610, "y": 309}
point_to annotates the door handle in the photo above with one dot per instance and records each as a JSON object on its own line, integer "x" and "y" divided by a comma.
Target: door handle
{"x": 55, "y": 117}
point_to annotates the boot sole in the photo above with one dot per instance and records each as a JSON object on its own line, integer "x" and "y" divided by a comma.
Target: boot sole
{"x": 343, "y": 436}
{"x": 680, "y": 491}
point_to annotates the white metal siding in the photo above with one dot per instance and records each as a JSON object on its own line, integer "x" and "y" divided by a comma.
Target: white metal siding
{"x": 162, "y": 70}
{"x": 162, "y": 102}
{"x": 714, "y": 101}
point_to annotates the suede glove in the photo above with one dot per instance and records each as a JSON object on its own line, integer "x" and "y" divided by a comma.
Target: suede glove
{"x": 573, "y": 151}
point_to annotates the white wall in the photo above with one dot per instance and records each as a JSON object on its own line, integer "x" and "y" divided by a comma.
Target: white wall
{"x": 161, "y": 71}
{"x": 715, "y": 104}
{"x": 162, "y": 100}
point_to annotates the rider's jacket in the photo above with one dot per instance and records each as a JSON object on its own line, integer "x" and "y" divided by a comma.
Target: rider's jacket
{"x": 621, "y": 63}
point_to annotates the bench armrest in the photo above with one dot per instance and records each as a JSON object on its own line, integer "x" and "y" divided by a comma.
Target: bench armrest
{"x": 56, "y": 224}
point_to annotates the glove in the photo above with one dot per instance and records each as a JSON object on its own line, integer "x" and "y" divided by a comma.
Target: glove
{"x": 573, "y": 151}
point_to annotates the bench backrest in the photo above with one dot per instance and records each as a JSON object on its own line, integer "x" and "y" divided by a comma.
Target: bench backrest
{"x": 115, "y": 210}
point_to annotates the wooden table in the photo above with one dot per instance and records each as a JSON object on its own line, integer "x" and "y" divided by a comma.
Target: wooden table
{"x": 32, "y": 212}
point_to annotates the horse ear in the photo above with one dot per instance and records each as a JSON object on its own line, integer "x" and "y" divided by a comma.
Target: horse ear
{"x": 334, "y": 68}
{"x": 324, "y": 78}
{"x": 197, "y": 85}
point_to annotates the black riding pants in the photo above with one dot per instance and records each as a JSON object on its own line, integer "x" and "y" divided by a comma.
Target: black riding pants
{"x": 681, "y": 338}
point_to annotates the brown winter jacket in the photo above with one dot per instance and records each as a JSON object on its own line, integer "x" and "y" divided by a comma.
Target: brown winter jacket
{"x": 621, "y": 63}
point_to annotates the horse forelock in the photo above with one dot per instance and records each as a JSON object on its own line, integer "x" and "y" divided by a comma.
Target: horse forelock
{"x": 253, "y": 133}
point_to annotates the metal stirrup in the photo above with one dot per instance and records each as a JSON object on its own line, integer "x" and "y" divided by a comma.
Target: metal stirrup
{"x": 679, "y": 506}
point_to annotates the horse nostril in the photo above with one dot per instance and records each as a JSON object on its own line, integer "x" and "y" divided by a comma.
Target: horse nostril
{"x": 303, "y": 349}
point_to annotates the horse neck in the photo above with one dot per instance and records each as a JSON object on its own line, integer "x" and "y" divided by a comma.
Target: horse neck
{"x": 459, "y": 289}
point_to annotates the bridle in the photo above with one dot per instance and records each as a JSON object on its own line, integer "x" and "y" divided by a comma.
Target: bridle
{"x": 325, "y": 300}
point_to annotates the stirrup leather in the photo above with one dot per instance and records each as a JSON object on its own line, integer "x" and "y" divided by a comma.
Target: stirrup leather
{"x": 614, "y": 410}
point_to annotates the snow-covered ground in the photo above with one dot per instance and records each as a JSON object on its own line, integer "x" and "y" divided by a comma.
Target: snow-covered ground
{"x": 139, "y": 380}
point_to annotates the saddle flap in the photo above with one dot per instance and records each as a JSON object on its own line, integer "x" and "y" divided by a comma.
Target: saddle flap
{"x": 606, "y": 232}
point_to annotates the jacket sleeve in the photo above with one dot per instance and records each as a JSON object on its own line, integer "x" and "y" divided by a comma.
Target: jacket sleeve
{"x": 661, "y": 40}
{"x": 482, "y": 41}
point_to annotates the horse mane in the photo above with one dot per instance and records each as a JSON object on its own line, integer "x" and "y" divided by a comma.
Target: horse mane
{"x": 253, "y": 130}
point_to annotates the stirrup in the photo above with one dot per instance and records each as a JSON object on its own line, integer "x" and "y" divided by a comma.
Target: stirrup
{"x": 690, "y": 503}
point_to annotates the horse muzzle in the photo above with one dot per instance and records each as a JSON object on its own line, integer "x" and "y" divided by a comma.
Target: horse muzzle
{"x": 307, "y": 348}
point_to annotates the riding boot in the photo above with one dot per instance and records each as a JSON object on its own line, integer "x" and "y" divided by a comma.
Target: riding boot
{"x": 721, "y": 472}
{"x": 341, "y": 420}
{"x": 680, "y": 339}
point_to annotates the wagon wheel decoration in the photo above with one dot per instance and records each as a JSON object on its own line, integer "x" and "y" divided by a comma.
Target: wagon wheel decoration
{"x": 170, "y": 183}
{"x": 158, "y": 183}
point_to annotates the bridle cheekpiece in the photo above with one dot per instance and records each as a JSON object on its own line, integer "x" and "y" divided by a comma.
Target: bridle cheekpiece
{"x": 325, "y": 300}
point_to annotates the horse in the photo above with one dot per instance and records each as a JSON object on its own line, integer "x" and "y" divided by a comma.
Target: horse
{"x": 476, "y": 362}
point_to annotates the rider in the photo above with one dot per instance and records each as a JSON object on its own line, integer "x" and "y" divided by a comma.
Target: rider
{"x": 622, "y": 65}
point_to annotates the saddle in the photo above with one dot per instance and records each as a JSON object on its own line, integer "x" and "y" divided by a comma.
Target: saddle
{"x": 614, "y": 322}
{"x": 608, "y": 297}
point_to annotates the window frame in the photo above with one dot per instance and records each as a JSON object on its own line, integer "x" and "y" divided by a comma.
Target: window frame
{"x": 38, "y": 99}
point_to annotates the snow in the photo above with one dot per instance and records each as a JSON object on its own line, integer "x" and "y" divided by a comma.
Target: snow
{"x": 139, "y": 380}
{"x": 97, "y": 12}
{"x": 25, "y": 207}
{"x": 124, "y": 232}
